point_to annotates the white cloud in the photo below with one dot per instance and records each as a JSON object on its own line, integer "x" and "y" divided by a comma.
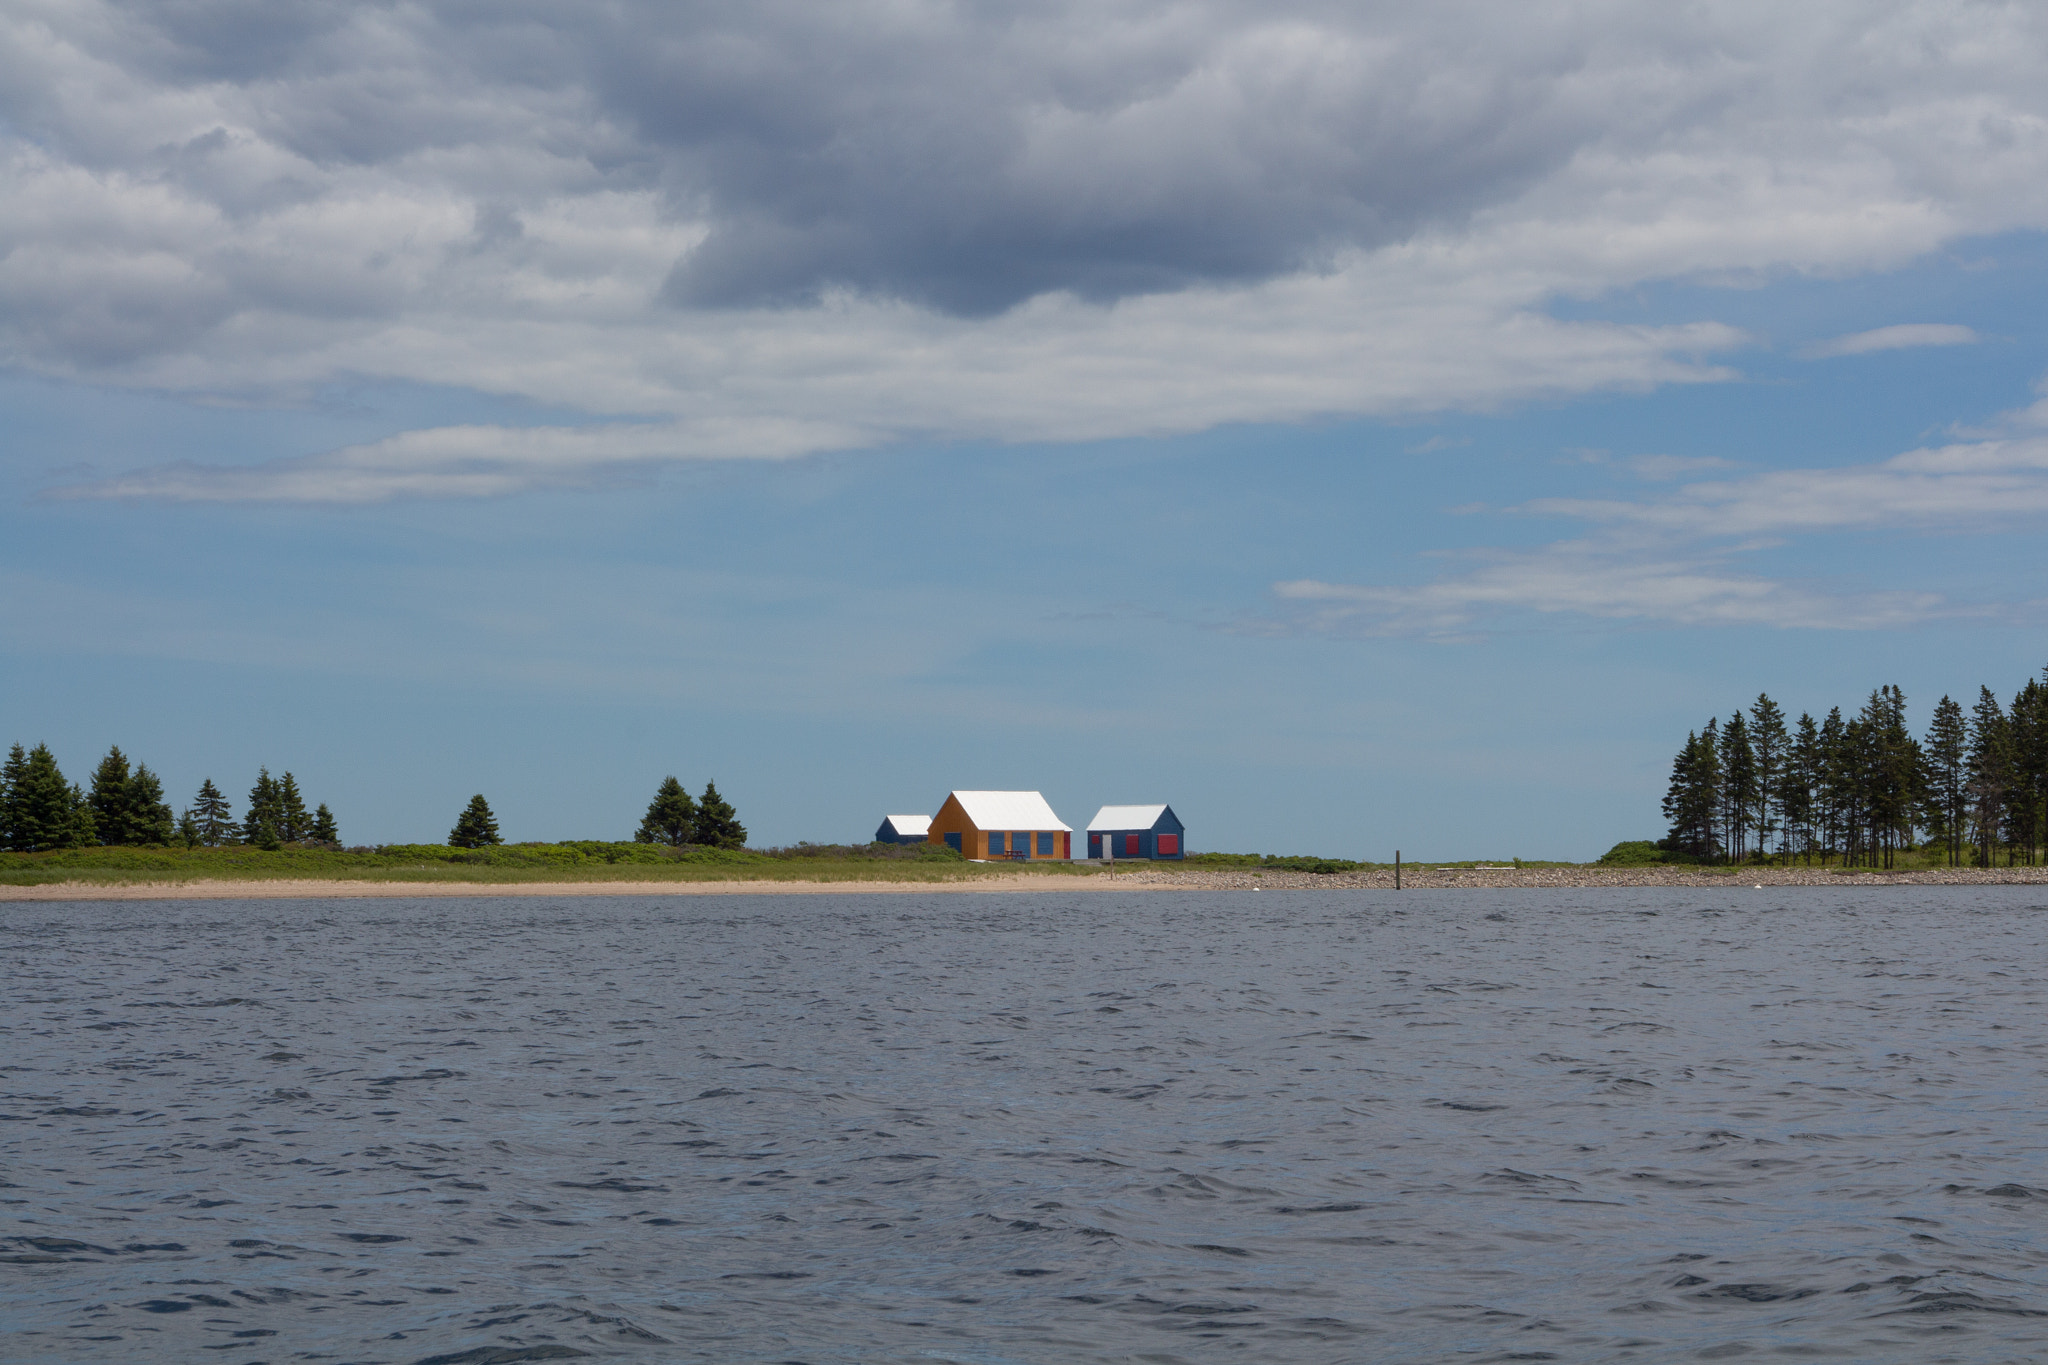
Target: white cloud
{"x": 1674, "y": 559}
{"x": 1901, "y": 337}
{"x": 1955, "y": 485}
{"x": 1065, "y": 222}
{"x": 470, "y": 461}
{"x": 1601, "y": 582}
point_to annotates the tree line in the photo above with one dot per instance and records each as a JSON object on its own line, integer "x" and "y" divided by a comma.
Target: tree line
{"x": 40, "y": 809}
{"x": 1863, "y": 789}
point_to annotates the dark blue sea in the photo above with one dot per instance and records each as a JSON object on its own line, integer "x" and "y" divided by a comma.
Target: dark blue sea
{"x": 1611, "y": 1125}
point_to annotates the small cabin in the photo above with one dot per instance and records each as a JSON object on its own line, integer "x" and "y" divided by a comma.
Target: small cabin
{"x": 984, "y": 825}
{"x": 1137, "y": 832}
{"x": 904, "y": 829}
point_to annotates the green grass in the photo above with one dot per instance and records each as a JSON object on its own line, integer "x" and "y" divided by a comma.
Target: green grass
{"x": 584, "y": 860}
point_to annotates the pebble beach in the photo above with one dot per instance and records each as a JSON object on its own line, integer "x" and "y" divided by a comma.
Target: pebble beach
{"x": 1154, "y": 877}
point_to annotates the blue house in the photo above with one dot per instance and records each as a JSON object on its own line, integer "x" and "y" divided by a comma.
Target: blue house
{"x": 1136, "y": 832}
{"x": 904, "y": 829}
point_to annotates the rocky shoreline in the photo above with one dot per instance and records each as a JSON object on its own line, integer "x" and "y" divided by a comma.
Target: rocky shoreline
{"x": 1427, "y": 879}
{"x": 1125, "y": 877}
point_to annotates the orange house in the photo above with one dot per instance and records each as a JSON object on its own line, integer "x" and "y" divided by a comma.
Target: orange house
{"x": 985, "y": 825}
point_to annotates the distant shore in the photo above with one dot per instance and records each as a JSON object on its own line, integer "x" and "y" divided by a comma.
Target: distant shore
{"x": 1067, "y": 878}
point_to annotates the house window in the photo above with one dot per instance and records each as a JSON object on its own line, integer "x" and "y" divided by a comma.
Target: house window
{"x": 1131, "y": 845}
{"x": 1045, "y": 844}
{"x": 1169, "y": 845}
{"x": 995, "y": 842}
{"x": 1095, "y": 845}
{"x": 953, "y": 841}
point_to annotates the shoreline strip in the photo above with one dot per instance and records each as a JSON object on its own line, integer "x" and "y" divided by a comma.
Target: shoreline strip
{"x": 1135, "y": 880}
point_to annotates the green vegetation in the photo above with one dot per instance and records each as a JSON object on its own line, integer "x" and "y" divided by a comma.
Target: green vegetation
{"x": 1642, "y": 853}
{"x": 1862, "y": 791}
{"x": 583, "y": 860}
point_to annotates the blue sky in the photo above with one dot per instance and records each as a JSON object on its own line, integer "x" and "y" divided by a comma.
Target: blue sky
{"x": 1358, "y": 434}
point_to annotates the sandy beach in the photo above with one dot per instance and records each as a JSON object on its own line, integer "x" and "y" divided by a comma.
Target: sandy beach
{"x": 1137, "y": 879}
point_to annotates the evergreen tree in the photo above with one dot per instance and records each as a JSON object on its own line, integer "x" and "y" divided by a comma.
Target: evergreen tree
{"x": 1889, "y": 774}
{"x": 717, "y": 826}
{"x": 48, "y": 812}
{"x": 1738, "y": 785}
{"x": 1831, "y": 797}
{"x": 188, "y": 829}
{"x": 212, "y": 818}
{"x": 477, "y": 828}
{"x": 671, "y": 817}
{"x": 1947, "y": 800}
{"x": 292, "y": 821}
{"x": 11, "y": 777}
{"x": 1692, "y": 801}
{"x": 323, "y": 830}
{"x": 1990, "y": 768}
{"x": 82, "y": 832}
{"x": 2027, "y": 726}
{"x": 1802, "y": 779}
{"x": 149, "y": 815}
{"x": 1770, "y": 747}
{"x": 263, "y": 826}
{"x": 110, "y": 799}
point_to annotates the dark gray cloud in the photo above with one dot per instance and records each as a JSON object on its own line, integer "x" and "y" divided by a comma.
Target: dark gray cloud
{"x": 961, "y": 156}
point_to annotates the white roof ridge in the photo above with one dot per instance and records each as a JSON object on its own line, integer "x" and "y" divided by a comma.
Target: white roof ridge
{"x": 1127, "y": 817}
{"x": 1009, "y": 810}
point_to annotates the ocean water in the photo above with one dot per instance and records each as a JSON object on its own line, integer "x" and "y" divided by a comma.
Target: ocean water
{"x": 1619, "y": 1125}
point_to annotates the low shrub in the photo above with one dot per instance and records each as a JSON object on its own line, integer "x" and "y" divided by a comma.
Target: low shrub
{"x": 1643, "y": 853}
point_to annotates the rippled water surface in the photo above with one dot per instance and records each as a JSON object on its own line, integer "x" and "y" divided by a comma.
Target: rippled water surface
{"x": 1336, "y": 1126}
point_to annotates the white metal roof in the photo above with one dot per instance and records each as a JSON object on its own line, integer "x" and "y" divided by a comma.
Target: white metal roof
{"x": 1126, "y": 817}
{"x": 910, "y": 824}
{"x": 1009, "y": 810}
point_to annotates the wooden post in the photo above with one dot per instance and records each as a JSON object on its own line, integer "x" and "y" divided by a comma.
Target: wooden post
{"x": 1397, "y": 869}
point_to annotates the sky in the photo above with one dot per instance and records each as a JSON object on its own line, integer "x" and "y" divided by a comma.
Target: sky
{"x": 1361, "y": 426}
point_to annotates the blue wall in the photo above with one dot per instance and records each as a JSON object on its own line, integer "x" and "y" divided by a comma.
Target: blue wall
{"x": 1148, "y": 839}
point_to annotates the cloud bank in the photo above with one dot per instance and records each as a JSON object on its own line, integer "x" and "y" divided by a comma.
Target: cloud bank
{"x": 885, "y": 220}
{"x": 1675, "y": 559}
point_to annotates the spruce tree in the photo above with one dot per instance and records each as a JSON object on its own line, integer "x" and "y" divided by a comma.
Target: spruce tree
{"x": 11, "y": 777}
{"x": 109, "y": 798}
{"x": 1802, "y": 778}
{"x": 1990, "y": 767}
{"x": 149, "y": 815}
{"x": 188, "y": 829}
{"x": 81, "y": 832}
{"x": 1831, "y": 785}
{"x": 717, "y": 826}
{"x": 323, "y": 831}
{"x": 1770, "y": 746}
{"x": 2027, "y": 724}
{"x": 1738, "y": 785}
{"x": 477, "y": 828}
{"x": 47, "y": 809}
{"x": 1692, "y": 802}
{"x": 671, "y": 817}
{"x": 292, "y": 820}
{"x": 213, "y": 817}
{"x": 263, "y": 825}
{"x": 1947, "y": 800}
